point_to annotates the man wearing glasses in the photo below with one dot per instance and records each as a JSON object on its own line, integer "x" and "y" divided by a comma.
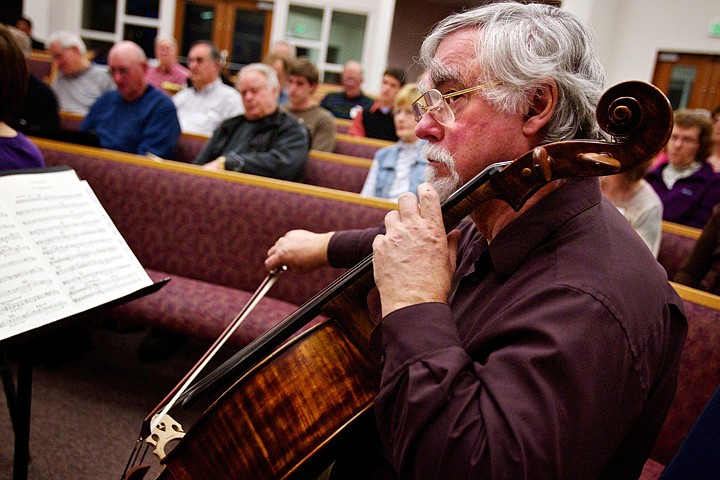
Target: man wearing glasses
{"x": 137, "y": 117}
{"x": 537, "y": 344}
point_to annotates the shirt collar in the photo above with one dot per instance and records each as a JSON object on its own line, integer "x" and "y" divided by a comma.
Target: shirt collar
{"x": 521, "y": 236}
{"x": 210, "y": 86}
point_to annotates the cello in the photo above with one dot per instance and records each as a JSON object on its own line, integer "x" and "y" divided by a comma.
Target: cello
{"x": 286, "y": 400}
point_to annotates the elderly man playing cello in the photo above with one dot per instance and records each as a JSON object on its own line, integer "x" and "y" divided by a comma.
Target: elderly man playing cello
{"x": 542, "y": 343}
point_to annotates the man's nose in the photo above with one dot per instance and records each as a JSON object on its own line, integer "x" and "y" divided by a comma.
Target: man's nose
{"x": 429, "y": 129}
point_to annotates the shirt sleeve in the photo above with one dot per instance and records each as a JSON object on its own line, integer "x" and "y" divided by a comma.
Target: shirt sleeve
{"x": 491, "y": 407}
{"x": 348, "y": 247}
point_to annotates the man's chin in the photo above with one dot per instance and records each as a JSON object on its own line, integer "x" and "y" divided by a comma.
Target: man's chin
{"x": 444, "y": 186}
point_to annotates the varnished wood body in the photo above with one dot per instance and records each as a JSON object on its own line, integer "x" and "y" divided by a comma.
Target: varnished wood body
{"x": 271, "y": 422}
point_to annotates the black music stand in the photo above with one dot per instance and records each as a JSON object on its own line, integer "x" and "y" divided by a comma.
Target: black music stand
{"x": 19, "y": 398}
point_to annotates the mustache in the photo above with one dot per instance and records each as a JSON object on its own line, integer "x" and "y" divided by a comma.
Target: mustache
{"x": 438, "y": 154}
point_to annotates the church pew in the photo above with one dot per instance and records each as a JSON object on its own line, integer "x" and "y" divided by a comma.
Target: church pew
{"x": 70, "y": 121}
{"x": 342, "y": 125}
{"x": 336, "y": 171}
{"x": 209, "y": 232}
{"x": 189, "y": 145}
{"x": 358, "y": 146}
{"x": 41, "y": 64}
{"x": 323, "y": 169}
{"x": 676, "y": 244}
{"x": 699, "y": 374}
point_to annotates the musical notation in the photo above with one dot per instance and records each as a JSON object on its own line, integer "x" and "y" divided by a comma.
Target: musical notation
{"x": 60, "y": 253}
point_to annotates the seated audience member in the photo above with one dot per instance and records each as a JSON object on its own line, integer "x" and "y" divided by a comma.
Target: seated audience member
{"x": 135, "y": 118}
{"x": 168, "y": 75}
{"x": 264, "y": 140}
{"x": 702, "y": 268}
{"x": 401, "y": 167}
{"x": 78, "y": 83}
{"x": 16, "y": 151}
{"x": 284, "y": 49}
{"x": 202, "y": 107}
{"x": 25, "y": 25}
{"x": 540, "y": 344}
{"x": 638, "y": 202}
{"x": 38, "y": 114}
{"x": 346, "y": 103}
{"x": 686, "y": 183}
{"x": 714, "y": 158}
{"x": 377, "y": 121}
{"x": 302, "y": 81}
{"x": 280, "y": 64}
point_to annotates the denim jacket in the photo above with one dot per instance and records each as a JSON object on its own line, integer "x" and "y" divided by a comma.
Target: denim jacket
{"x": 387, "y": 158}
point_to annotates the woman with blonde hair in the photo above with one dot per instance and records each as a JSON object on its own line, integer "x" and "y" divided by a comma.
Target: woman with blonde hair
{"x": 399, "y": 168}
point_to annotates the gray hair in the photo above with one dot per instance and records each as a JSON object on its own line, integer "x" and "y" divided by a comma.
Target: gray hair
{"x": 67, "y": 39}
{"x": 22, "y": 38}
{"x": 263, "y": 69}
{"x": 522, "y": 47}
{"x": 169, "y": 40}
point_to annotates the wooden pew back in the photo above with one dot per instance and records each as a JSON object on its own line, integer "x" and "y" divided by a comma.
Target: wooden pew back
{"x": 339, "y": 172}
{"x": 358, "y": 146}
{"x": 323, "y": 169}
{"x": 41, "y": 64}
{"x": 699, "y": 370}
{"x": 676, "y": 245}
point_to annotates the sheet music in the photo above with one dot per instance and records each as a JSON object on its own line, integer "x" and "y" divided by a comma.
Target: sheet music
{"x": 60, "y": 253}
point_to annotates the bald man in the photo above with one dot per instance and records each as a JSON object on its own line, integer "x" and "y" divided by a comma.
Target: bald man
{"x": 135, "y": 118}
{"x": 347, "y": 103}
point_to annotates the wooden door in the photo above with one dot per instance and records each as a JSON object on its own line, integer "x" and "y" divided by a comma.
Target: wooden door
{"x": 689, "y": 80}
{"x": 239, "y": 28}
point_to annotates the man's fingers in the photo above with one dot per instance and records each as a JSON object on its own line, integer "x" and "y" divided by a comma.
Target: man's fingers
{"x": 429, "y": 203}
{"x": 408, "y": 206}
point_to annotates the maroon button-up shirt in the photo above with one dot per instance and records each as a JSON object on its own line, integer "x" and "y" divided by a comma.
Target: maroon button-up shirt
{"x": 556, "y": 357}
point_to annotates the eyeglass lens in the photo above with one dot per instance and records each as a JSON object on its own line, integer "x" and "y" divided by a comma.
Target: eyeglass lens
{"x": 432, "y": 101}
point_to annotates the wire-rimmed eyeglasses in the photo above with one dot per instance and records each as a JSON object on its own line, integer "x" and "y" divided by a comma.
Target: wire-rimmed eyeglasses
{"x": 436, "y": 103}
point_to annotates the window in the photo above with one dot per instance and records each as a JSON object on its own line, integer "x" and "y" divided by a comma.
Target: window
{"x": 329, "y": 37}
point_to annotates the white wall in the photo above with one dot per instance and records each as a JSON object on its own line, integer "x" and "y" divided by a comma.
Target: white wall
{"x": 631, "y": 32}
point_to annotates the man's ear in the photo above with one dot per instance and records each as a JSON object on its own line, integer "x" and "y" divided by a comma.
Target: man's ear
{"x": 542, "y": 108}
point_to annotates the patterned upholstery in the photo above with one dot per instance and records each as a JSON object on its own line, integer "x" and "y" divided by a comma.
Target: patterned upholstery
{"x": 698, "y": 378}
{"x": 204, "y": 312}
{"x": 208, "y": 233}
{"x": 42, "y": 66}
{"x": 188, "y": 147}
{"x": 674, "y": 249}
{"x": 358, "y": 146}
{"x": 336, "y": 175}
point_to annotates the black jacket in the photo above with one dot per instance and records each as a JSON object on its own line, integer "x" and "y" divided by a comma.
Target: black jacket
{"x": 275, "y": 146}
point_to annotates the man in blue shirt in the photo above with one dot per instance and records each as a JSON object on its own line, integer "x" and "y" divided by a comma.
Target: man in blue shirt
{"x": 135, "y": 118}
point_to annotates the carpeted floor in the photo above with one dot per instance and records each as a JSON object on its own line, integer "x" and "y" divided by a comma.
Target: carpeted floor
{"x": 87, "y": 409}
